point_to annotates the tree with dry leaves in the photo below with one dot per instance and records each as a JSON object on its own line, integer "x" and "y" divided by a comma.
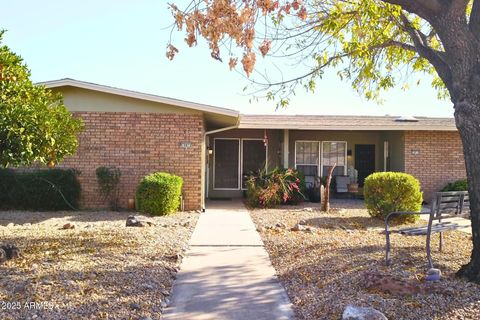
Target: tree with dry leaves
{"x": 374, "y": 44}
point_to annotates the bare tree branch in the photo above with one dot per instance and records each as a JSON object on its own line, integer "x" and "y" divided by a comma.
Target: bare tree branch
{"x": 435, "y": 57}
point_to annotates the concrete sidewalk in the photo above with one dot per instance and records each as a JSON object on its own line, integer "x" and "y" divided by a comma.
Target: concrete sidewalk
{"x": 227, "y": 273}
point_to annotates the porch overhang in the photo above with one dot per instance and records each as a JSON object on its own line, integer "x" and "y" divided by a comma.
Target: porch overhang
{"x": 345, "y": 123}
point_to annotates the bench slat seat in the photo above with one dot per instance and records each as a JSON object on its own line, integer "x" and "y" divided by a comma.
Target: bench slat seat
{"x": 445, "y": 206}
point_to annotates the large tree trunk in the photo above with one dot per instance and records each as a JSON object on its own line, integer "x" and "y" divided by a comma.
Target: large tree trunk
{"x": 467, "y": 117}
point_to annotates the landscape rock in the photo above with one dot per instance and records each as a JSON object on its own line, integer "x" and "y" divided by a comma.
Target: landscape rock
{"x": 352, "y": 312}
{"x": 8, "y": 252}
{"x": 433, "y": 274}
{"x": 135, "y": 306}
{"x": 260, "y": 229}
{"x": 298, "y": 227}
{"x": 301, "y": 227}
{"x": 165, "y": 292}
{"x": 132, "y": 221}
{"x": 68, "y": 226}
{"x": 280, "y": 225}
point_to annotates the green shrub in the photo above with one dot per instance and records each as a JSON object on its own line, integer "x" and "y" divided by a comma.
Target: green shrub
{"x": 108, "y": 179}
{"x": 267, "y": 190}
{"x": 50, "y": 189}
{"x": 459, "y": 185}
{"x": 387, "y": 192}
{"x": 159, "y": 193}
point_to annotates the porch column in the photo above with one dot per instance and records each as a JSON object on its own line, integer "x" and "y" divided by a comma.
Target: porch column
{"x": 286, "y": 140}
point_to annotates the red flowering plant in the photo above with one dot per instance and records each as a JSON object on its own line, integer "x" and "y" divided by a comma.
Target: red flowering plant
{"x": 280, "y": 186}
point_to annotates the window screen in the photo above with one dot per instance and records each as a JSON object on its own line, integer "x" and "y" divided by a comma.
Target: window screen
{"x": 226, "y": 164}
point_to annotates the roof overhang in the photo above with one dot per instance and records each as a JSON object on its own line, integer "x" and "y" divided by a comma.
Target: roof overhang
{"x": 215, "y": 115}
{"x": 344, "y": 123}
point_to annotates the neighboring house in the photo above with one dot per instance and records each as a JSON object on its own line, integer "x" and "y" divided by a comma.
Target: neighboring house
{"x": 212, "y": 148}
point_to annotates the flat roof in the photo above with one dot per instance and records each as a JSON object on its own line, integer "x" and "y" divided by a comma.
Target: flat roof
{"x": 331, "y": 122}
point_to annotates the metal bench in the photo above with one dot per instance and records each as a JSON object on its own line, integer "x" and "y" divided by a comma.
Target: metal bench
{"x": 445, "y": 206}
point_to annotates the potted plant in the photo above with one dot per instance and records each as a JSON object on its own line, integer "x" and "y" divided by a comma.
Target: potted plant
{"x": 353, "y": 185}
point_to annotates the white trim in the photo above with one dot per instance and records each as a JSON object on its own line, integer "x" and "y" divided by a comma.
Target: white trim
{"x": 139, "y": 95}
{"x": 286, "y": 146}
{"x": 359, "y": 127}
{"x": 214, "y": 155}
{"x": 241, "y": 159}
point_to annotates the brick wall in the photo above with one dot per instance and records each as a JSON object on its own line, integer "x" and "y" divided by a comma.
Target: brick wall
{"x": 138, "y": 144}
{"x": 435, "y": 158}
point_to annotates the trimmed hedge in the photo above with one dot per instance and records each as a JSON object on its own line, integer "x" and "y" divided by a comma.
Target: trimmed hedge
{"x": 159, "y": 193}
{"x": 387, "y": 192}
{"x": 39, "y": 189}
{"x": 459, "y": 185}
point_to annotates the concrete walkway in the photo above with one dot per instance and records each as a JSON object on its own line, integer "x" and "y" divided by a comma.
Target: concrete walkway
{"x": 227, "y": 273}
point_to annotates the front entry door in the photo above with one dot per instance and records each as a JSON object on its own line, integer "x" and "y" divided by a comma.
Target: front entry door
{"x": 253, "y": 158}
{"x": 364, "y": 161}
{"x": 226, "y": 164}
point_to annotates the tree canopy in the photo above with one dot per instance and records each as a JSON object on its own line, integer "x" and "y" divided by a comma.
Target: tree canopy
{"x": 35, "y": 126}
{"x": 373, "y": 43}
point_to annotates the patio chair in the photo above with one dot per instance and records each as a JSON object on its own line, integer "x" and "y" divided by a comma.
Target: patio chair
{"x": 341, "y": 183}
{"x": 444, "y": 207}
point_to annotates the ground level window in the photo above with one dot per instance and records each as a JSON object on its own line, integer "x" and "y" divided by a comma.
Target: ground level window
{"x": 306, "y": 159}
{"x": 334, "y": 152}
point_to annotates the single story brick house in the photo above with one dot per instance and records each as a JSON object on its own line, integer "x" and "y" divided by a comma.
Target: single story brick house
{"x": 212, "y": 147}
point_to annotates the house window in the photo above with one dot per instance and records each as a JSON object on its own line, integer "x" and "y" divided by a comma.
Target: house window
{"x": 334, "y": 152}
{"x": 306, "y": 159}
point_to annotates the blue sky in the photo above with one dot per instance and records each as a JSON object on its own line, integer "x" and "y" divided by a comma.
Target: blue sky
{"x": 122, "y": 43}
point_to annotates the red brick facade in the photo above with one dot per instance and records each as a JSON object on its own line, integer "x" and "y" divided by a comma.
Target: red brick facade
{"x": 139, "y": 144}
{"x": 435, "y": 158}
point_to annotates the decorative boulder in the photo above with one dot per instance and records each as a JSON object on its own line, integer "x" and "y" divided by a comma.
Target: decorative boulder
{"x": 132, "y": 221}
{"x": 433, "y": 275}
{"x": 352, "y": 312}
{"x": 8, "y": 252}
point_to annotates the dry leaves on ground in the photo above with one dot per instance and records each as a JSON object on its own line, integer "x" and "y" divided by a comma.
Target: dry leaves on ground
{"x": 323, "y": 270}
{"x": 99, "y": 269}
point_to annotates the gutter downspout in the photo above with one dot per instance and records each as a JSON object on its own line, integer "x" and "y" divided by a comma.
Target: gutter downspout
{"x": 207, "y": 164}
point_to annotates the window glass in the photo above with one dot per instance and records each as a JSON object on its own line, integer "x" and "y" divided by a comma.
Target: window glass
{"x": 306, "y": 156}
{"x": 334, "y": 152}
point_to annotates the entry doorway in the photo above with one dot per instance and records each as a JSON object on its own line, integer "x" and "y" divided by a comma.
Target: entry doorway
{"x": 234, "y": 159}
{"x": 364, "y": 161}
{"x": 254, "y": 157}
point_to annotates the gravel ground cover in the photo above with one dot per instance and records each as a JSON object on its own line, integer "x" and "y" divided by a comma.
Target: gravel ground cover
{"x": 100, "y": 269}
{"x": 324, "y": 269}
